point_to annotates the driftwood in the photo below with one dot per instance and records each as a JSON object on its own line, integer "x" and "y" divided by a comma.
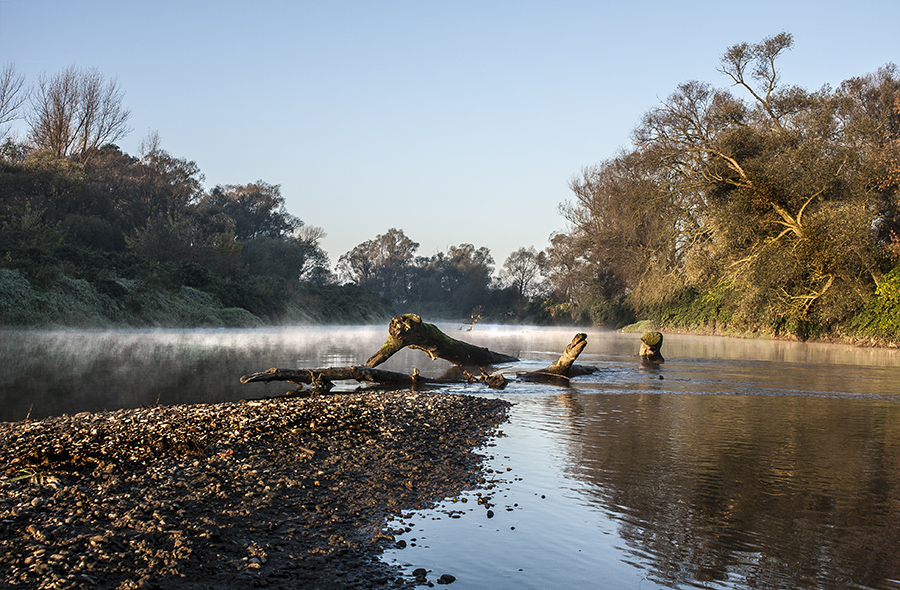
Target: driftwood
{"x": 323, "y": 379}
{"x": 409, "y": 330}
{"x": 564, "y": 367}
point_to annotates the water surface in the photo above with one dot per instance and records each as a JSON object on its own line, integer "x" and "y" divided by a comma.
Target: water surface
{"x": 735, "y": 464}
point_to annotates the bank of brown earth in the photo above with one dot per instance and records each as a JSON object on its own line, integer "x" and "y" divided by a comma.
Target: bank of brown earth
{"x": 276, "y": 493}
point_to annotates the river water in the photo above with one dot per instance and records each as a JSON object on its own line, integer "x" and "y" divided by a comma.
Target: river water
{"x": 735, "y": 464}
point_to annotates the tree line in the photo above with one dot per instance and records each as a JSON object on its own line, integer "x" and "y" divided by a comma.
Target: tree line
{"x": 80, "y": 218}
{"x": 762, "y": 207}
{"x": 122, "y": 238}
{"x": 457, "y": 283}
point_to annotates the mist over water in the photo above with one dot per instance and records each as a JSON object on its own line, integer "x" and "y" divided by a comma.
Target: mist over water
{"x": 51, "y": 373}
{"x": 735, "y": 464}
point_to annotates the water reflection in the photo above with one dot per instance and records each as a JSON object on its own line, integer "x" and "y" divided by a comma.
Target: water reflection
{"x": 747, "y": 491}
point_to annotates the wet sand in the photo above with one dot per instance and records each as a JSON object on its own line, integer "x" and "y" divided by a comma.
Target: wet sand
{"x": 277, "y": 493}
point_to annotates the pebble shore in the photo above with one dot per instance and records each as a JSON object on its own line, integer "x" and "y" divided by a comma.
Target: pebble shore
{"x": 293, "y": 492}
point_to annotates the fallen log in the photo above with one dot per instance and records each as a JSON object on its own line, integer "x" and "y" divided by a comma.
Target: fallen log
{"x": 564, "y": 367}
{"x": 409, "y": 330}
{"x": 323, "y": 380}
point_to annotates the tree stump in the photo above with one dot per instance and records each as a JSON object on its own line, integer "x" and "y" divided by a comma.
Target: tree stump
{"x": 563, "y": 367}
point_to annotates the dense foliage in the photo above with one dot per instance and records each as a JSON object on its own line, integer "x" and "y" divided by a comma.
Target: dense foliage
{"x": 449, "y": 285}
{"x": 117, "y": 240}
{"x": 777, "y": 213}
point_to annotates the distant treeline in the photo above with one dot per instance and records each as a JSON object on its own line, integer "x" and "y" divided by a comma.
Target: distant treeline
{"x": 91, "y": 236}
{"x": 777, "y": 213}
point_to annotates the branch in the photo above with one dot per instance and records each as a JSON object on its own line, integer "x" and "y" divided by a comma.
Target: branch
{"x": 410, "y": 330}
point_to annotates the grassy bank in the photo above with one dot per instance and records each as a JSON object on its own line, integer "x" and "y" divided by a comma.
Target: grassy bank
{"x": 67, "y": 302}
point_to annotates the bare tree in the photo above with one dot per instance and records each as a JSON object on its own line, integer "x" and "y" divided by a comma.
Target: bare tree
{"x": 757, "y": 61}
{"x": 11, "y": 96}
{"x": 76, "y": 112}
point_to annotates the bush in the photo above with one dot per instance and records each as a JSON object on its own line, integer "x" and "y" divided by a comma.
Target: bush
{"x": 880, "y": 316}
{"x": 20, "y": 304}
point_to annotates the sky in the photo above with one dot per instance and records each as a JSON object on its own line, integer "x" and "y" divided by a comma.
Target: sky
{"x": 457, "y": 122}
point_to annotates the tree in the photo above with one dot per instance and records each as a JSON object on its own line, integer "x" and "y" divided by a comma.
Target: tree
{"x": 76, "y": 112}
{"x": 291, "y": 258}
{"x": 273, "y": 242}
{"x": 522, "y": 271}
{"x": 11, "y": 96}
{"x": 630, "y": 226}
{"x": 382, "y": 265}
{"x": 753, "y": 67}
{"x": 779, "y": 209}
{"x": 456, "y": 281}
{"x": 146, "y": 189}
{"x": 257, "y": 208}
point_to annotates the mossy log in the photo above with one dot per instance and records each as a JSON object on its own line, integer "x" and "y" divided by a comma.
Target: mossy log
{"x": 651, "y": 347}
{"x": 409, "y": 330}
{"x": 564, "y": 367}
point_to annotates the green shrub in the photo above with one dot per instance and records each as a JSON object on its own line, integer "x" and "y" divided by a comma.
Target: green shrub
{"x": 20, "y": 304}
{"x": 880, "y": 316}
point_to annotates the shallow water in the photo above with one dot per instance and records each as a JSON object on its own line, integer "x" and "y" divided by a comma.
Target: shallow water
{"x": 735, "y": 464}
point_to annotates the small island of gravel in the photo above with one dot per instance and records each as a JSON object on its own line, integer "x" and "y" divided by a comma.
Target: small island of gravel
{"x": 287, "y": 492}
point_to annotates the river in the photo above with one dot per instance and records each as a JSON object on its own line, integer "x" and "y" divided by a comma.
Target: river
{"x": 735, "y": 464}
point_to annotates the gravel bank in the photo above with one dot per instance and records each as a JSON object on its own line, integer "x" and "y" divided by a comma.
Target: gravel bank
{"x": 277, "y": 493}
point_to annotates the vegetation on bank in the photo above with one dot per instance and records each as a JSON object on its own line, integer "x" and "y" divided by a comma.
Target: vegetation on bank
{"x": 764, "y": 209}
{"x": 94, "y": 237}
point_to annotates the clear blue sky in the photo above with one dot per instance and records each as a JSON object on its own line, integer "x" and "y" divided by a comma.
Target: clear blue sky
{"x": 454, "y": 121}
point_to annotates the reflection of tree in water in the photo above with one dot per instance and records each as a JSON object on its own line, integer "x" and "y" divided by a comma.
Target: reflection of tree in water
{"x": 761, "y": 492}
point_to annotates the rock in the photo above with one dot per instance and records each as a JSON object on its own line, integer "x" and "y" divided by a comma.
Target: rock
{"x": 651, "y": 348}
{"x": 446, "y": 579}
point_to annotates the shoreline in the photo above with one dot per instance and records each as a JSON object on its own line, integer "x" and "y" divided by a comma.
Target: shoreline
{"x": 278, "y": 493}
{"x": 649, "y": 325}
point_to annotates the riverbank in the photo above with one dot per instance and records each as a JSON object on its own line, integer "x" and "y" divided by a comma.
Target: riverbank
{"x": 276, "y": 493}
{"x": 71, "y": 302}
{"x": 650, "y": 325}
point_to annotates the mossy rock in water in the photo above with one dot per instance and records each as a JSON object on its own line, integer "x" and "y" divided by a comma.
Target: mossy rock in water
{"x": 654, "y": 339}
{"x": 651, "y": 344}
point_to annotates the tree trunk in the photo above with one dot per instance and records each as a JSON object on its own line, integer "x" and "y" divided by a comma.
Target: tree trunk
{"x": 410, "y": 330}
{"x": 564, "y": 367}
